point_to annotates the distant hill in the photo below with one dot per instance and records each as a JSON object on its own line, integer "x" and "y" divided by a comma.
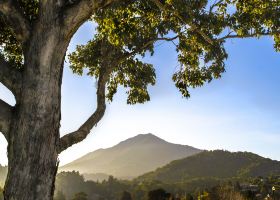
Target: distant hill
{"x": 131, "y": 158}
{"x": 214, "y": 166}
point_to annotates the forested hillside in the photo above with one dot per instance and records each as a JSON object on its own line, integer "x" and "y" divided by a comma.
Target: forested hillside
{"x": 215, "y": 165}
{"x": 212, "y": 174}
{"x": 71, "y": 185}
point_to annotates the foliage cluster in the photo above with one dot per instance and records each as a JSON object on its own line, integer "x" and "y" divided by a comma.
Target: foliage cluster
{"x": 130, "y": 29}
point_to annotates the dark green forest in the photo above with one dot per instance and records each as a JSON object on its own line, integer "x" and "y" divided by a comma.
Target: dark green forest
{"x": 71, "y": 185}
{"x": 214, "y": 165}
{"x": 210, "y": 175}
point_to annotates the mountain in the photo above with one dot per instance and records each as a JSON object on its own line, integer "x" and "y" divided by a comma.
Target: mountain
{"x": 214, "y": 165}
{"x": 132, "y": 157}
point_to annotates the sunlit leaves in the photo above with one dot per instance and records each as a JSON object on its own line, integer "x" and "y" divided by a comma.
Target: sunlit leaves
{"x": 10, "y": 49}
{"x": 129, "y": 72}
{"x": 199, "y": 25}
{"x": 132, "y": 28}
{"x": 200, "y": 62}
{"x": 134, "y": 75}
{"x": 257, "y": 17}
{"x": 87, "y": 57}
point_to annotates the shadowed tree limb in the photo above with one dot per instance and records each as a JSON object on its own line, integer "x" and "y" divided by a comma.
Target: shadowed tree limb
{"x": 15, "y": 19}
{"x": 215, "y": 4}
{"x": 79, "y": 135}
{"x": 10, "y": 77}
{"x": 6, "y": 112}
{"x": 145, "y": 46}
{"x": 233, "y": 36}
{"x": 79, "y": 11}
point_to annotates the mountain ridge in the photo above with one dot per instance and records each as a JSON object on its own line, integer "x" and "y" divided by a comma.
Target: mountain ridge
{"x": 217, "y": 164}
{"x": 132, "y": 157}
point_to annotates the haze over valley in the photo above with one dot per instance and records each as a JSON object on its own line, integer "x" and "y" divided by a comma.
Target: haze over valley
{"x": 145, "y": 153}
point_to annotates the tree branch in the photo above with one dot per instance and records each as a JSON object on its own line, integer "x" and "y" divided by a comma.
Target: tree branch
{"x": 215, "y": 4}
{"x": 78, "y": 12}
{"x": 6, "y": 112}
{"x": 15, "y": 19}
{"x": 79, "y": 135}
{"x": 193, "y": 26}
{"x": 145, "y": 46}
{"x": 10, "y": 77}
{"x": 232, "y": 36}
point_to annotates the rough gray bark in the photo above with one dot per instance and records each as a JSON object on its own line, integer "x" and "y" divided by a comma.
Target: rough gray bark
{"x": 34, "y": 134}
{"x": 6, "y": 113}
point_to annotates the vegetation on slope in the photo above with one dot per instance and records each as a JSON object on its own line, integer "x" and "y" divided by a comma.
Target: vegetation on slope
{"x": 215, "y": 165}
{"x": 71, "y": 185}
{"x": 213, "y": 174}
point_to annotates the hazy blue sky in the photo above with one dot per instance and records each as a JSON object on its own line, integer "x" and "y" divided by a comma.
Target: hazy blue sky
{"x": 240, "y": 112}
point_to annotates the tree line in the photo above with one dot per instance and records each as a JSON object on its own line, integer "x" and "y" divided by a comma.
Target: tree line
{"x": 74, "y": 187}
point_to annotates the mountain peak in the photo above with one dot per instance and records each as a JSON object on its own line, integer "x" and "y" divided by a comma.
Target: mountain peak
{"x": 141, "y": 139}
{"x": 147, "y": 135}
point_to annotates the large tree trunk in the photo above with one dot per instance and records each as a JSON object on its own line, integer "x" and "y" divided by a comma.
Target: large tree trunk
{"x": 32, "y": 126}
{"x": 34, "y": 135}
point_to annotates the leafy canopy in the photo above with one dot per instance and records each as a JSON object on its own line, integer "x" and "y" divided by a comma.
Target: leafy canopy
{"x": 9, "y": 46}
{"x": 127, "y": 31}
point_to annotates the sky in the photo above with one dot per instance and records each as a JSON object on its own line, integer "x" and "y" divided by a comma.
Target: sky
{"x": 239, "y": 112}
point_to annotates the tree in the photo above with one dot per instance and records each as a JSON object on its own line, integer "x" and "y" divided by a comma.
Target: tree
{"x": 70, "y": 183}
{"x": 158, "y": 194}
{"x": 35, "y": 34}
{"x": 189, "y": 197}
{"x": 226, "y": 191}
{"x": 59, "y": 196}
{"x": 1, "y": 194}
{"x": 80, "y": 196}
{"x": 126, "y": 196}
